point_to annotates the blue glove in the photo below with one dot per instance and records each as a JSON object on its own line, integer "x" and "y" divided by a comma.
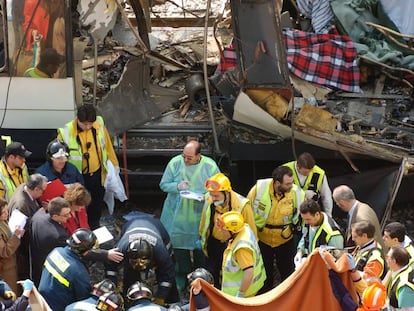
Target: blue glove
{"x": 351, "y": 262}
{"x": 198, "y": 244}
{"x": 240, "y": 295}
{"x": 28, "y": 284}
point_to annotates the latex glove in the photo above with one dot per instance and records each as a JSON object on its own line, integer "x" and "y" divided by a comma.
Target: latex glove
{"x": 27, "y": 284}
{"x": 198, "y": 244}
{"x": 351, "y": 262}
{"x": 309, "y": 194}
{"x": 184, "y": 185}
{"x": 8, "y": 294}
{"x": 240, "y": 295}
{"x": 298, "y": 259}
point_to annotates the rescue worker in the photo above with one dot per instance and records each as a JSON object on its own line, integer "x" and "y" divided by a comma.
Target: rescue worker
{"x": 312, "y": 179}
{"x": 147, "y": 247}
{"x": 90, "y": 148}
{"x": 319, "y": 229}
{"x": 139, "y": 295}
{"x": 180, "y": 215}
{"x": 396, "y": 234}
{"x": 13, "y": 170}
{"x": 65, "y": 278}
{"x": 111, "y": 301}
{"x": 243, "y": 270}
{"x": 220, "y": 199}
{"x": 368, "y": 257}
{"x": 276, "y": 203}
{"x": 401, "y": 288}
{"x": 48, "y": 65}
{"x": 8, "y": 299}
{"x": 57, "y": 165}
{"x": 89, "y": 304}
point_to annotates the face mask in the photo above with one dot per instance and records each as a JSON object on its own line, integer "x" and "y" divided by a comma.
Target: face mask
{"x": 218, "y": 203}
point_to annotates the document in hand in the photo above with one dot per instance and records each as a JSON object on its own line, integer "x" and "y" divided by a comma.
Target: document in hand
{"x": 17, "y": 218}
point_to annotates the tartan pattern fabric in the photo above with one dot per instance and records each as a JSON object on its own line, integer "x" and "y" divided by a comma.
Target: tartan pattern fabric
{"x": 325, "y": 59}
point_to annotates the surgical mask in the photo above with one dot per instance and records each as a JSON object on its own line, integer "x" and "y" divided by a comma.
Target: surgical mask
{"x": 218, "y": 203}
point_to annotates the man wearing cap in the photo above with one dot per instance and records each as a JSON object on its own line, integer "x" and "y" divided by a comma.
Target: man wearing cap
{"x": 13, "y": 170}
{"x": 48, "y": 64}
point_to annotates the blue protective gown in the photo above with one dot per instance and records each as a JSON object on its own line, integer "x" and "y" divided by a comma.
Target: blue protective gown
{"x": 88, "y": 304}
{"x": 180, "y": 216}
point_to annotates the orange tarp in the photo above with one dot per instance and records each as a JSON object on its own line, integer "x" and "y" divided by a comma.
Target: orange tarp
{"x": 308, "y": 288}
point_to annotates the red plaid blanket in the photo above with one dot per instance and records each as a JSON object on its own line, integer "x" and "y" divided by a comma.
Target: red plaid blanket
{"x": 325, "y": 59}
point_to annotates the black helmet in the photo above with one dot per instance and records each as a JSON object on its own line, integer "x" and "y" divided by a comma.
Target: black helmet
{"x": 82, "y": 240}
{"x": 202, "y": 274}
{"x": 103, "y": 287}
{"x": 139, "y": 290}
{"x": 57, "y": 149}
{"x": 175, "y": 307}
{"x": 111, "y": 301}
{"x": 140, "y": 254}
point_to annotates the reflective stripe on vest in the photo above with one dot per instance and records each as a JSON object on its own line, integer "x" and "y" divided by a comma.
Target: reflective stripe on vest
{"x": 9, "y": 187}
{"x": 207, "y": 208}
{"x": 233, "y": 275}
{"x": 370, "y": 255}
{"x": 324, "y": 233}
{"x": 56, "y": 274}
{"x": 316, "y": 169}
{"x": 75, "y": 151}
{"x": 262, "y": 203}
{"x": 403, "y": 278}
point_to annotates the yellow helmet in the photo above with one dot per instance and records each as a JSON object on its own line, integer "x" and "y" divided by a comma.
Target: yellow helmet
{"x": 374, "y": 297}
{"x": 232, "y": 221}
{"x": 218, "y": 182}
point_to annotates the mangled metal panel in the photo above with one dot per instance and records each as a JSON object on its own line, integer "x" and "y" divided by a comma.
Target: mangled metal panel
{"x": 259, "y": 44}
{"x": 100, "y": 16}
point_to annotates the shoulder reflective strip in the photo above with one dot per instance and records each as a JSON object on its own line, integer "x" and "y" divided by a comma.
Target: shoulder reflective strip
{"x": 56, "y": 274}
{"x": 165, "y": 284}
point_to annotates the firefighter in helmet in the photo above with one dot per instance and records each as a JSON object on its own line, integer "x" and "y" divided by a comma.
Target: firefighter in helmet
{"x": 242, "y": 270}
{"x": 139, "y": 297}
{"x": 148, "y": 255}
{"x": 111, "y": 301}
{"x": 64, "y": 271}
{"x": 220, "y": 199}
{"x": 57, "y": 165}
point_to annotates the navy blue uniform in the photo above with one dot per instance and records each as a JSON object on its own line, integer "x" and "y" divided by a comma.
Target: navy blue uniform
{"x": 151, "y": 229}
{"x": 65, "y": 279}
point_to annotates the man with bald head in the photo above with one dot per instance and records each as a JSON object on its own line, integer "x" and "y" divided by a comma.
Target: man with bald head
{"x": 186, "y": 173}
{"x": 357, "y": 211}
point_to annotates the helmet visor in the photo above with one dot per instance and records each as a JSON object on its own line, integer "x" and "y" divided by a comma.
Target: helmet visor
{"x": 140, "y": 263}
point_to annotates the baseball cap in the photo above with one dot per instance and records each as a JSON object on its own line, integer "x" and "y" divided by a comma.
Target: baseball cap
{"x": 16, "y": 148}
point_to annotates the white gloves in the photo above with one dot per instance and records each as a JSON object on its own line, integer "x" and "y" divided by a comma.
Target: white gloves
{"x": 184, "y": 185}
{"x": 298, "y": 259}
{"x": 309, "y": 194}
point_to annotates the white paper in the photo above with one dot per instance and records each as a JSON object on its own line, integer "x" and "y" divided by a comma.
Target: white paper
{"x": 103, "y": 235}
{"x": 17, "y": 218}
{"x": 192, "y": 195}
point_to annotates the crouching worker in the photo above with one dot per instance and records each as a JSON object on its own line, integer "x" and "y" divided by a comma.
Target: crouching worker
{"x": 243, "y": 270}
{"x": 89, "y": 303}
{"x": 8, "y": 301}
{"x": 65, "y": 278}
{"x": 139, "y": 297}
